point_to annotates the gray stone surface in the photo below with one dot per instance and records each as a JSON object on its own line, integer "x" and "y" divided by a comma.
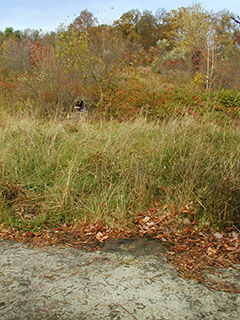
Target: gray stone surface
{"x": 125, "y": 280}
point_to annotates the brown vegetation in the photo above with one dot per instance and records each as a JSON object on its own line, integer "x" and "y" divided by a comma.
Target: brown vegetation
{"x": 158, "y": 153}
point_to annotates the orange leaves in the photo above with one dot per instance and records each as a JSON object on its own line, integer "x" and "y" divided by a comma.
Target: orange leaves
{"x": 28, "y": 234}
{"x": 36, "y": 52}
{"x": 147, "y": 225}
{"x": 163, "y": 237}
{"x": 188, "y": 208}
{"x": 187, "y": 229}
{"x": 191, "y": 251}
{"x": 101, "y": 237}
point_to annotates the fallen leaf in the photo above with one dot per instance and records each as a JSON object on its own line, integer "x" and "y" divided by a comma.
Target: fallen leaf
{"x": 218, "y": 235}
{"x": 235, "y": 235}
{"x": 146, "y": 219}
{"x": 212, "y": 251}
{"x": 99, "y": 236}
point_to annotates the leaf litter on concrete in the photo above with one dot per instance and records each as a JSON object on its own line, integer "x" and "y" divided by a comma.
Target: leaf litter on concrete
{"x": 192, "y": 251}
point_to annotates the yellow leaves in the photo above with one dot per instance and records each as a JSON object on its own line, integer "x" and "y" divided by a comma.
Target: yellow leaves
{"x": 189, "y": 26}
{"x": 72, "y": 48}
{"x": 9, "y": 46}
{"x": 199, "y": 79}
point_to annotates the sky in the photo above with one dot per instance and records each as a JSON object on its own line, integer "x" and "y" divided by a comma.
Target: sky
{"x": 47, "y": 15}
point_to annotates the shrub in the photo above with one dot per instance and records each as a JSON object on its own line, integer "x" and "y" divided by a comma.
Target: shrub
{"x": 228, "y": 98}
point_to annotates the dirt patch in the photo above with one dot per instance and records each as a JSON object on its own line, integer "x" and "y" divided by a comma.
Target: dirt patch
{"x": 135, "y": 247}
{"x": 126, "y": 279}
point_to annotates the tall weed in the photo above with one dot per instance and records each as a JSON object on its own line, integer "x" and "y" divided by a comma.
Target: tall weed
{"x": 57, "y": 172}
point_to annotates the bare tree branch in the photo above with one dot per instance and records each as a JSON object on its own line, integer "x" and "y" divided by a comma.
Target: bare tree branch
{"x": 236, "y": 20}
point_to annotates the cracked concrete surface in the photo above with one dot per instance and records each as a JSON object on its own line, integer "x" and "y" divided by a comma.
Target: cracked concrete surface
{"x": 126, "y": 280}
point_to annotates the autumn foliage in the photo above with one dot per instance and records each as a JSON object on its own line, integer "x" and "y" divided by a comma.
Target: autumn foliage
{"x": 156, "y": 154}
{"x": 102, "y": 63}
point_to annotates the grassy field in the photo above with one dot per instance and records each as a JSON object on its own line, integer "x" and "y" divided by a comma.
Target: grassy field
{"x": 54, "y": 172}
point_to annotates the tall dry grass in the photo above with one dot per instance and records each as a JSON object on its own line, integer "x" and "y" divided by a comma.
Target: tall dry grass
{"x": 54, "y": 172}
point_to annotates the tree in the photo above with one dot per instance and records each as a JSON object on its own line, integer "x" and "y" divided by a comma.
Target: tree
{"x": 167, "y": 58}
{"x": 9, "y": 32}
{"x": 14, "y": 56}
{"x": 226, "y": 49}
{"x": 72, "y": 49}
{"x": 205, "y": 38}
{"x": 186, "y": 32}
{"x": 84, "y": 21}
{"x": 32, "y": 35}
{"x": 143, "y": 28}
{"x": 146, "y": 29}
{"x": 95, "y": 56}
{"x": 188, "y": 27}
{"x": 127, "y": 24}
{"x": 236, "y": 32}
{"x": 160, "y": 19}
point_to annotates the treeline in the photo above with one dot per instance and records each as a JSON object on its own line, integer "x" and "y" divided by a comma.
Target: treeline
{"x": 87, "y": 59}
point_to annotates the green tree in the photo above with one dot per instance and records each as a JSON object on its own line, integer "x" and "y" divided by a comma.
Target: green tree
{"x": 127, "y": 24}
{"x": 97, "y": 56}
{"x": 147, "y": 29}
{"x": 143, "y": 28}
{"x": 9, "y": 32}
